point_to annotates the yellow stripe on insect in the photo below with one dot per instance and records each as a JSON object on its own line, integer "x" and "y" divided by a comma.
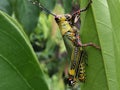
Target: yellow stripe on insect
{"x": 72, "y": 72}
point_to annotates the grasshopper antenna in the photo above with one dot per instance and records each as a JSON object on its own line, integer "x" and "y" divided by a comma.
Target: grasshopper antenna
{"x": 42, "y": 7}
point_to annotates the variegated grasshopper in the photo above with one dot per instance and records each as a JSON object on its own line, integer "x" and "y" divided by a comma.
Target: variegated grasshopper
{"x": 67, "y": 27}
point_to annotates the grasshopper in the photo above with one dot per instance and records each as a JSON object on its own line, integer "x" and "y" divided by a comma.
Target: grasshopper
{"x": 68, "y": 29}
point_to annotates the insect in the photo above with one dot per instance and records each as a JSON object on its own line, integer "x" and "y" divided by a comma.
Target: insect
{"x": 68, "y": 30}
{"x": 77, "y": 69}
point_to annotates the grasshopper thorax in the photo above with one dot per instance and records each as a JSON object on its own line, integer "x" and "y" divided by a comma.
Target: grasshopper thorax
{"x": 63, "y": 22}
{"x": 61, "y": 18}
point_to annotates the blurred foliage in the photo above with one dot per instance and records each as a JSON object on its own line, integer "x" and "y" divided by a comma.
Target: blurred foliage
{"x": 44, "y": 35}
{"x": 48, "y": 45}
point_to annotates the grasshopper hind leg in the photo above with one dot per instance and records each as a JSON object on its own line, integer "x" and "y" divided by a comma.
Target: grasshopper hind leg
{"x": 85, "y": 57}
{"x": 81, "y": 67}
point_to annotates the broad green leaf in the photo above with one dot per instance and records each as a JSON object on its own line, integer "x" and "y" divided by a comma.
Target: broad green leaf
{"x": 100, "y": 25}
{"x": 27, "y": 14}
{"x": 19, "y": 68}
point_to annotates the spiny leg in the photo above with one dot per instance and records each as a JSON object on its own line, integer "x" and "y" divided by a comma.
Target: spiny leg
{"x": 79, "y": 43}
{"x": 90, "y": 44}
{"x": 82, "y": 10}
{"x": 76, "y": 15}
{"x": 85, "y": 57}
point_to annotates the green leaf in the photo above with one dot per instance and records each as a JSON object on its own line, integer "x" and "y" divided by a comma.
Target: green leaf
{"x": 100, "y": 25}
{"x": 67, "y": 4}
{"x": 6, "y": 6}
{"x": 19, "y": 67}
{"x": 27, "y": 14}
{"x": 114, "y": 8}
{"x": 49, "y": 4}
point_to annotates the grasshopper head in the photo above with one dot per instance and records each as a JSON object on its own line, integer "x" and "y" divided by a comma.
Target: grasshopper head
{"x": 60, "y": 18}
